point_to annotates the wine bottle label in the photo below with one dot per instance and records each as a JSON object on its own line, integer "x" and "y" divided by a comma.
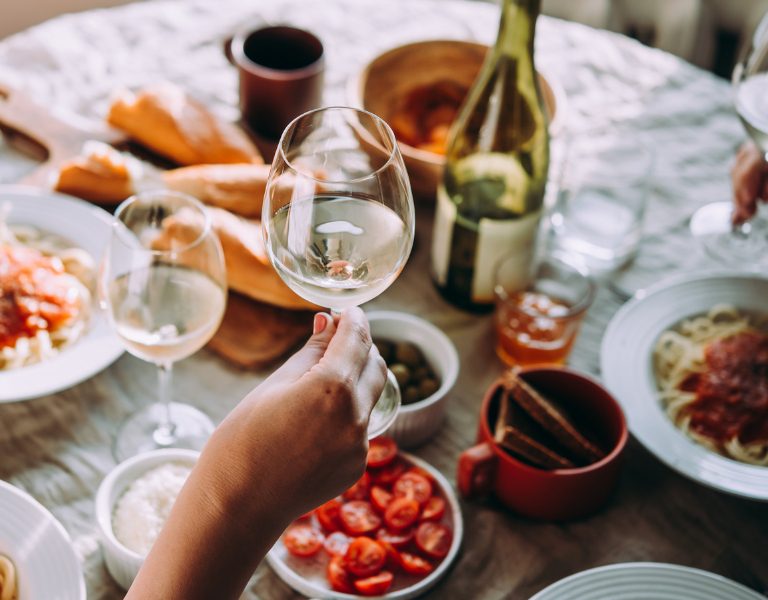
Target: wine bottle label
{"x": 491, "y": 240}
{"x": 495, "y": 240}
{"x": 442, "y": 236}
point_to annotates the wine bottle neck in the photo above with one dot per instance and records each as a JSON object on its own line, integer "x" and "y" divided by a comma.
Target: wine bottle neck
{"x": 517, "y": 27}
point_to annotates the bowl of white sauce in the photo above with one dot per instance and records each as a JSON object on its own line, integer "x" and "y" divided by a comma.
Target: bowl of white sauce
{"x": 132, "y": 504}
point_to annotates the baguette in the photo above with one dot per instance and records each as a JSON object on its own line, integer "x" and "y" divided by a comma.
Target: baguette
{"x": 238, "y": 188}
{"x": 99, "y": 174}
{"x": 552, "y": 420}
{"x": 249, "y": 270}
{"x": 168, "y": 121}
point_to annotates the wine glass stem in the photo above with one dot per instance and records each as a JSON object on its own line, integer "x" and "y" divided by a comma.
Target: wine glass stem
{"x": 164, "y": 435}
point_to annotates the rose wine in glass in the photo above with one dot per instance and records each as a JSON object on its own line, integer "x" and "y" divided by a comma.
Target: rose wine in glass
{"x": 338, "y": 216}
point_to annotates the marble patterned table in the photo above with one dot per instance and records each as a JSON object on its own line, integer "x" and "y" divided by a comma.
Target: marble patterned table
{"x": 58, "y": 447}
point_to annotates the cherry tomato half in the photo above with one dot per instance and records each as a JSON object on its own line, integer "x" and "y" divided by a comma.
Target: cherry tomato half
{"x": 423, "y": 472}
{"x": 380, "y": 498}
{"x": 376, "y": 585}
{"x": 365, "y": 557}
{"x": 433, "y": 539}
{"x": 413, "y": 485}
{"x": 302, "y": 539}
{"x": 328, "y": 515}
{"x": 358, "y": 517}
{"x": 359, "y": 489}
{"x": 415, "y": 565}
{"x": 434, "y": 509}
{"x": 398, "y": 539}
{"x": 401, "y": 513}
{"x": 386, "y": 476}
{"x": 393, "y": 556}
{"x": 338, "y": 576}
{"x": 336, "y": 544}
{"x": 381, "y": 451}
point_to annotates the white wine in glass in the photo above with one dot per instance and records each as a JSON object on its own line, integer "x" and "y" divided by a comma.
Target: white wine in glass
{"x": 163, "y": 283}
{"x": 338, "y": 216}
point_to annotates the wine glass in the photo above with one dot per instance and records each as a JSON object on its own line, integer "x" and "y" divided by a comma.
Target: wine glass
{"x": 162, "y": 282}
{"x": 338, "y": 216}
{"x": 745, "y": 244}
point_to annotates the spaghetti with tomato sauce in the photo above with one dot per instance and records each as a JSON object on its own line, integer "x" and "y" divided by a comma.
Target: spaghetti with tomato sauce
{"x": 713, "y": 377}
{"x": 44, "y": 295}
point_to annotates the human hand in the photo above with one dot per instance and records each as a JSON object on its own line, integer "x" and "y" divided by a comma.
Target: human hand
{"x": 308, "y": 421}
{"x": 749, "y": 177}
{"x": 297, "y": 440}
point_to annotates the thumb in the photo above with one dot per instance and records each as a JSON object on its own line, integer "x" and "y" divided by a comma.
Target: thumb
{"x": 310, "y": 354}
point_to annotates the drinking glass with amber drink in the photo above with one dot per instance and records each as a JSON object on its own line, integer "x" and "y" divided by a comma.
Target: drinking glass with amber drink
{"x": 538, "y": 323}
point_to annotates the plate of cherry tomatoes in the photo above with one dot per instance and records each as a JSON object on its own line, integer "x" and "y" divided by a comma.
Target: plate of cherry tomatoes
{"x": 392, "y": 535}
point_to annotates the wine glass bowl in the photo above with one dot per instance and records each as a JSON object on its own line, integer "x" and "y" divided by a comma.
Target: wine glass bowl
{"x": 162, "y": 282}
{"x": 338, "y": 215}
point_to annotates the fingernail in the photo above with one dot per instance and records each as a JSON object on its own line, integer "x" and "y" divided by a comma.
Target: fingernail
{"x": 320, "y": 323}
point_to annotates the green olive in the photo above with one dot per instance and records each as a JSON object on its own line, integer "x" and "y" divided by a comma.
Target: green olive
{"x": 427, "y": 387}
{"x": 411, "y": 395}
{"x": 408, "y": 354}
{"x": 401, "y": 373}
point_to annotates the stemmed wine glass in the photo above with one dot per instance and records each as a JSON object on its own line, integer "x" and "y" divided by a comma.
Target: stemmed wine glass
{"x": 338, "y": 216}
{"x": 163, "y": 285}
{"x": 745, "y": 244}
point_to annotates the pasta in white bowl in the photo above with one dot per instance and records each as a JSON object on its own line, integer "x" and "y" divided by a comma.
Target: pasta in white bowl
{"x": 52, "y": 334}
{"x": 641, "y": 379}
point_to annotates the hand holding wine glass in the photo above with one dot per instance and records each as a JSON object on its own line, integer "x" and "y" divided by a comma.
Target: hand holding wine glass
{"x": 338, "y": 216}
{"x": 749, "y": 179}
{"x": 163, "y": 284}
{"x": 735, "y": 233}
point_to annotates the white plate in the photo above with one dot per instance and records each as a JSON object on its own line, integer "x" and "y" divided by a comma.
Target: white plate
{"x": 626, "y": 363}
{"x": 646, "y": 581}
{"x": 307, "y": 576}
{"x": 87, "y": 227}
{"x": 46, "y": 563}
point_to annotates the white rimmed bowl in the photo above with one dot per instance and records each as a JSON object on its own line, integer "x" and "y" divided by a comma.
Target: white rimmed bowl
{"x": 626, "y": 362}
{"x": 418, "y": 422}
{"x": 307, "y": 576}
{"x": 123, "y": 564}
{"x": 46, "y": 563}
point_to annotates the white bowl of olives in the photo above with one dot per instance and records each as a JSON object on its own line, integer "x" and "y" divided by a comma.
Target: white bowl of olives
{"x": 425, "y": 363}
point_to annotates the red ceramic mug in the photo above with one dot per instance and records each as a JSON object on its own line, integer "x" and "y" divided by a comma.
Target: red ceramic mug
{"x": 281, "y": 71}
{"x": 557, "y": 494}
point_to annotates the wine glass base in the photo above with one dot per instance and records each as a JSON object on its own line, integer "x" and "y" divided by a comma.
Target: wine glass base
{"x": 386, "y": 408}
{"x": 744, "y": 250}
{"x": 144, "y": 431}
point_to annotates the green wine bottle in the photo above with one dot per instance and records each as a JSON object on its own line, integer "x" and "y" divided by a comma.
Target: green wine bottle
{"x": 490, "y": 200}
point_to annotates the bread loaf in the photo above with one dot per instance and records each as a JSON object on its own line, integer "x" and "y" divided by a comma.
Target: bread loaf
{"x": 238, "y": 188}
{"x": 165, "y": 119}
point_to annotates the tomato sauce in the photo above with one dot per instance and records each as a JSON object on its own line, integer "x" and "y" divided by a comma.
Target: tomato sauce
{"x": 35, "y": 294}
{"x": 732, "y": 393}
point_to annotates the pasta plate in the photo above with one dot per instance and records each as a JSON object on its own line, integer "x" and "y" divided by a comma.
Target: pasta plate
{"x": 627, "y": 370}
{"x": 87, "y": 227}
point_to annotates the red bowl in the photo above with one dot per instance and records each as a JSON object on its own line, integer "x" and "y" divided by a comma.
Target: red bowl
{"x": 557, "y": 494}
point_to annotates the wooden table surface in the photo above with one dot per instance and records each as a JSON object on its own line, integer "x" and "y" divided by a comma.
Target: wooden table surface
{"x": 58, "y": 447}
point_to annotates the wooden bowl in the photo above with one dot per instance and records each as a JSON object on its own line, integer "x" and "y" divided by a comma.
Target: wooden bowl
{"x": 382, "y": 85}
